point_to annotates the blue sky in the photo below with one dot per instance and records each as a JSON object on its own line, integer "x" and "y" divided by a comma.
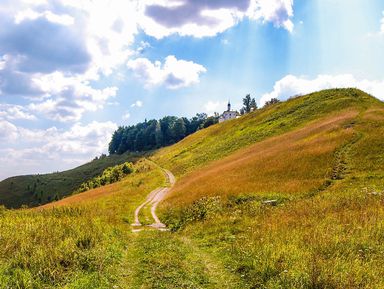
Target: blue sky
{"x": 72, "y": 71}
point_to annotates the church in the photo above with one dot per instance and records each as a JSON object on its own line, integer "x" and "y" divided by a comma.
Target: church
{"x": 228, "y": 114}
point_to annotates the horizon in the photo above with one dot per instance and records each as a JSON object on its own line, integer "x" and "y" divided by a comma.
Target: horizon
{"x": 71, "y": 72}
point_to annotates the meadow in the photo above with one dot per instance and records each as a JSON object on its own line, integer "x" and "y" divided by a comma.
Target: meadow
{"x": 289, "y": 196}
{"x": 76, "y": 243}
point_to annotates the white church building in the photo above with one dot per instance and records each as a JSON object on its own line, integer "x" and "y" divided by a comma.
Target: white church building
{"x": 228, "y": 114}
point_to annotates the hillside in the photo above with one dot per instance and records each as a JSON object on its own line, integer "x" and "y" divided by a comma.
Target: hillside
{"x": 223, "y": 139}
{"x": 32, "y": 190}
{"x": 288, "y": 196}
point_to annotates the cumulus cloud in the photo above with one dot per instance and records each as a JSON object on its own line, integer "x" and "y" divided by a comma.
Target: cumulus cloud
{"x": 173, "y": 74}
{"x": 52, "y": 149}
{"x": 50, "y": 52}
{"x": 214, "y": 106}
{"x": 11, "y": 112}
{"x": 29, "y": 14}
{"x": 278, "y": 12}
{"x": 292, "y": 85}
{"x": 8, "y": 131}
{"x": 208, "y": 18}
{"x": 67, "y": 98}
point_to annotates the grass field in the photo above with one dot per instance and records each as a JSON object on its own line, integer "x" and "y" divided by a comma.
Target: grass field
{"x": 320, "y": 158}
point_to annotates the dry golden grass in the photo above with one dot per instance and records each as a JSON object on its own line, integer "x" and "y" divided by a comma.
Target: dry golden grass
{"x": 90, "y": 195}
{"x": 293, "y": 163}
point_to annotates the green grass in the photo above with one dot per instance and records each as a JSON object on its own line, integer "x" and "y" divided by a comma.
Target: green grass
{"x": 34, "y": 190}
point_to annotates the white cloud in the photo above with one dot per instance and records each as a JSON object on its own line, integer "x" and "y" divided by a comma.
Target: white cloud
{"x": 11, "y": 112}
{"x": 7, "y": 131}
{"x": 30, "y": 14}
{"x": 143, "y": 45}
{"x": 137, "y": 103}
{"x": 67, "y": 98}
{"x": 208, "y": 18}
{"x": 215, "y": 106}
{"x": 126, "y": 116}
{"x": 292, "y": 85}
{"x": 52, "y": 149}
{"x": 173, "y": 74}
{"x": 86, "y": 41}
{"x": 278, "y": 12}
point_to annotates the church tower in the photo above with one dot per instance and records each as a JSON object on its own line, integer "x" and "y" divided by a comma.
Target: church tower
{"x": 229, "y": 106}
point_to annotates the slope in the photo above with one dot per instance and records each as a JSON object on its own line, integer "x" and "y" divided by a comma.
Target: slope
{"x": 221, "y": 140}
{"x": 32, "y": 190}
{"x": 300, "y": 208}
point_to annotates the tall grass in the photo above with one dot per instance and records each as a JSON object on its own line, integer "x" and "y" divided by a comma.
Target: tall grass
{"x": 79, "y": 245}
{"x": 325, "y": 229}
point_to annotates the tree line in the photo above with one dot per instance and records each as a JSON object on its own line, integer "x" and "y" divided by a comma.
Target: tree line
{"x": 154, "y": 134}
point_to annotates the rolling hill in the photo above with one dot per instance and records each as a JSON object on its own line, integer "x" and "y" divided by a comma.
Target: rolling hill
{"x": 34, "y": 190}
{"x": 289, "y": 196}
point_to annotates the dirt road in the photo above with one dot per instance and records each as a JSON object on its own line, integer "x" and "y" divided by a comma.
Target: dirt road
{"x": 153, "y": 199}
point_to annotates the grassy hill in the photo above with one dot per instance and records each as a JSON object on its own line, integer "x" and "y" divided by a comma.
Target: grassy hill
{"x": 223, "y": 139}
{"x": 32, "y": 190}
{"x": 289, "y": 196}
{"x": 295, "y": 199}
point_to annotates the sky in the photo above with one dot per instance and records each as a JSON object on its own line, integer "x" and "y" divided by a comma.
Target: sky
{"x": 72, "y": 71}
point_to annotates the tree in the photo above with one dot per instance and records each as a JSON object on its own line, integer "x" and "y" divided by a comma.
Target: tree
{"x": 253, "y": 104}
{"x": 152, "y": 134}
{"x": 271, "y": 101}
{"x": 139, "y": 141}
{"x": 210, "y": 121}
{"x": 159, "y": 135}
{"x": 249, "y": 104}
{"x": 179, "y": 129}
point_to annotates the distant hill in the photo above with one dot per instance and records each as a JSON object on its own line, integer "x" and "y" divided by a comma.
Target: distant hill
{"x": 33, "y": 190}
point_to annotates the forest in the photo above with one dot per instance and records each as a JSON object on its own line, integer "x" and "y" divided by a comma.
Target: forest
{"x": 153, "y": 134}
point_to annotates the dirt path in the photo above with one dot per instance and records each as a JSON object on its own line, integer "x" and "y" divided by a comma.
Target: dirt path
{"x": 153, "y": 199}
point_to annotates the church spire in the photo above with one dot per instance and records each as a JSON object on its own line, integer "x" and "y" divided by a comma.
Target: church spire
{"x": 229, "y": 105}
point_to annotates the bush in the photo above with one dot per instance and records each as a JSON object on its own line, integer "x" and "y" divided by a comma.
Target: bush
{"x": 109, "y": 176}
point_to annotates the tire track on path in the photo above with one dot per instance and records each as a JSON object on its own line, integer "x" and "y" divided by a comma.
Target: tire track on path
{"x": 153, "y": 199}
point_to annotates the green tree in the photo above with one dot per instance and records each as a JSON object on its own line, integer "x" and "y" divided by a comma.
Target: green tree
{"x": 179, "y": 129}
{"x": 249, "y": 104}
{"x": 253, "y": 104}
{"x": 159, "y": 135}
